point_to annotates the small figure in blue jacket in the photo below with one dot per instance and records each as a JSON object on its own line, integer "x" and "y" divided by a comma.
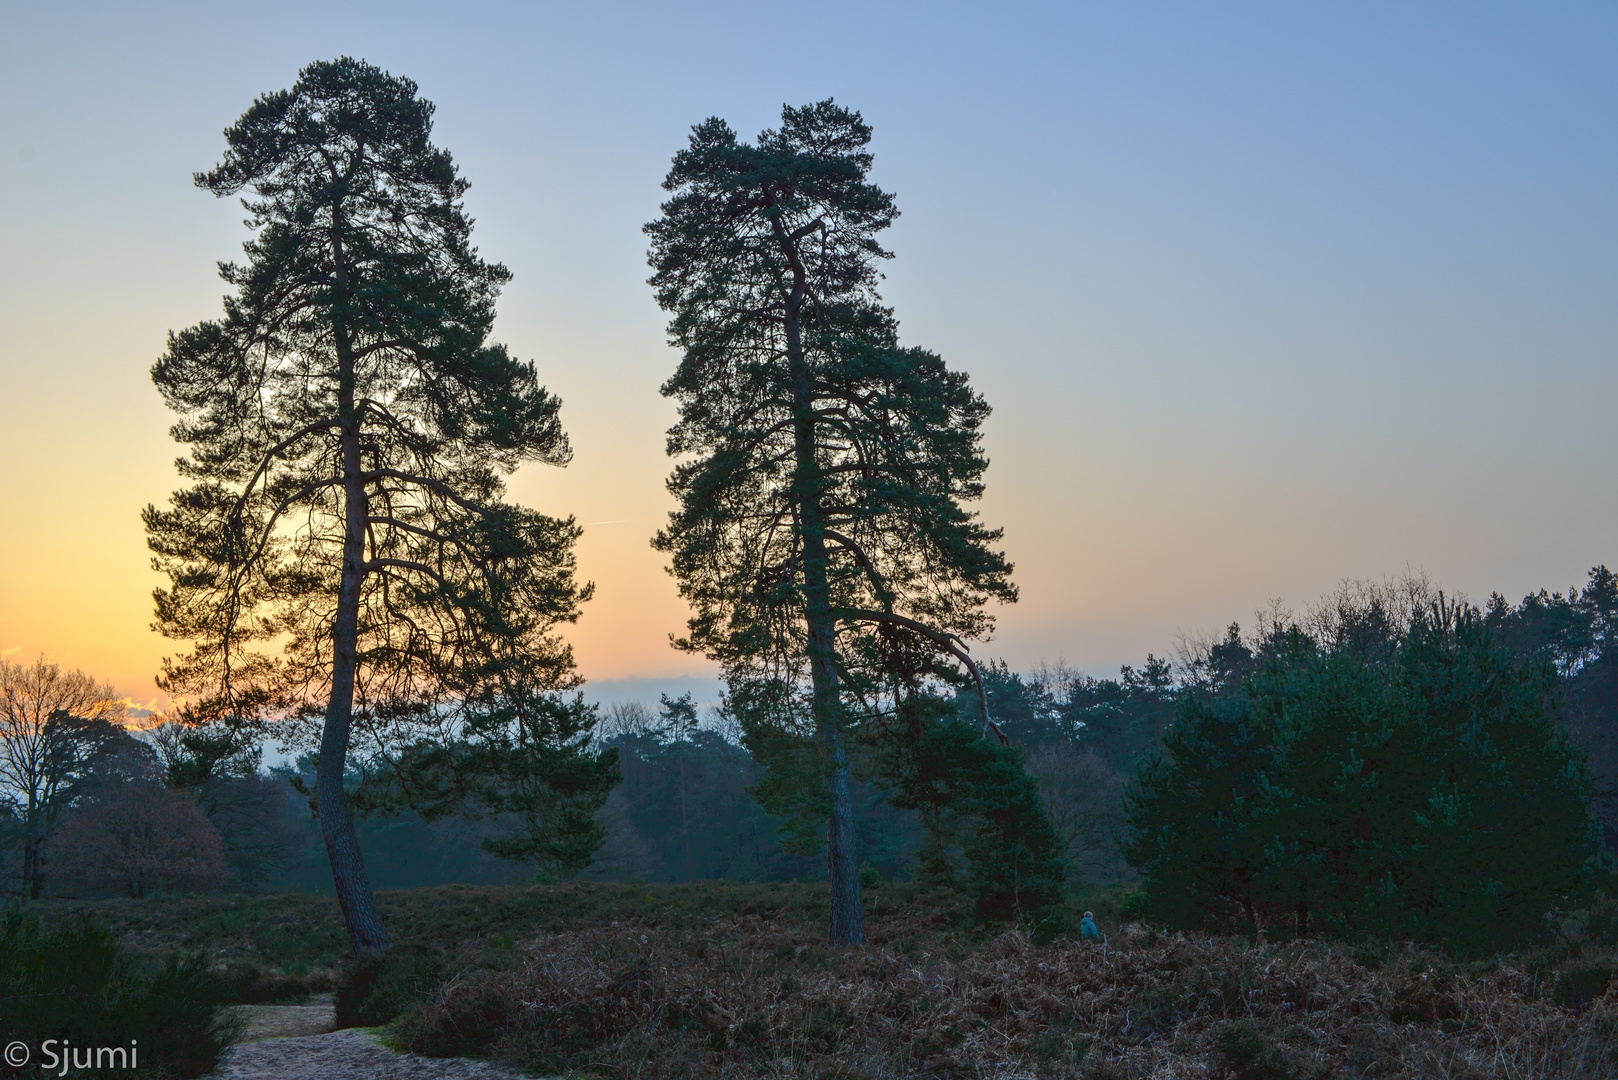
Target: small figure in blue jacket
{"x": 1088, "y": 930}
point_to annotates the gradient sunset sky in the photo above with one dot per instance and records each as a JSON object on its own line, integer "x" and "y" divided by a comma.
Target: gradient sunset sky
{"x": 1264, "y": 296}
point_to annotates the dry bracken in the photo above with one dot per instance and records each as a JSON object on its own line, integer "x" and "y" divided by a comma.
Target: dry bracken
{"x": 761, "y": 997}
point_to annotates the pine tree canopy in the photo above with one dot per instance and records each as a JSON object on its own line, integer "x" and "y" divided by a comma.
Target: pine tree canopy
{"x": 814, "y": 446}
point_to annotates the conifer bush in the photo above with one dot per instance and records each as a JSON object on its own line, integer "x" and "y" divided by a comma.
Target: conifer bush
{"x": 1412, "y": 786}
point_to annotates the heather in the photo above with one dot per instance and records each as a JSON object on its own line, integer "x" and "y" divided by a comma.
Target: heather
{"x": 756, "y": 996}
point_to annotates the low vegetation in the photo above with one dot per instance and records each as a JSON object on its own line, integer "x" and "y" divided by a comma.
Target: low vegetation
{"x": 757, "y": 996}
{"x": 77, "y": 983}
{"x": 720, "y": 979}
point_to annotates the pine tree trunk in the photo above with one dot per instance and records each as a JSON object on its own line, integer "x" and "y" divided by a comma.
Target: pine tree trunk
{"x": 842, "y": 859}
{"x": 353, "y": 884}
{"x": 842, "y": 862}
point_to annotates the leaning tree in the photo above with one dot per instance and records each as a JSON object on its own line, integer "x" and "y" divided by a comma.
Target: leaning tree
{"x": 820, "y": 534}
{"x": 344, "y": 554}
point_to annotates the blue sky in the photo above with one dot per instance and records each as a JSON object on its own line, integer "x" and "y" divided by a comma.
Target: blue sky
{"x": 1264, "y": 296}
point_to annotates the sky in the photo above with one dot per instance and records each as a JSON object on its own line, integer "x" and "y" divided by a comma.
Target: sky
{"x": 1264, "y": 296}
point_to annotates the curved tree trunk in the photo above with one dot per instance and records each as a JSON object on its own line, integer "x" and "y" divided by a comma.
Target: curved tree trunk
{"x": 348, "y": 873}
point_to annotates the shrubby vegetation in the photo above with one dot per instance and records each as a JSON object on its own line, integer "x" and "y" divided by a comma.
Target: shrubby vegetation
{"x": 679, "y": 980}
{"x": 1403, "y": 778}
{"x": 75, "y": 982}
{"x": 747, "y": 995}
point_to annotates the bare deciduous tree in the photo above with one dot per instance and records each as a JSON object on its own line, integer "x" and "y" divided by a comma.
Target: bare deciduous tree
{"x": 49, "y": 735}
{"x": 1084, "y": 797}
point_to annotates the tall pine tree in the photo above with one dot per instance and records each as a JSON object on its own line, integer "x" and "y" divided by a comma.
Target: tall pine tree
{"x": 821, "y": 534}
{"x": 344, "y": 553}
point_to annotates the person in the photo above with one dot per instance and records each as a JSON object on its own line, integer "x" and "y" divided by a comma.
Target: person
{"x": 1088, "y": 930}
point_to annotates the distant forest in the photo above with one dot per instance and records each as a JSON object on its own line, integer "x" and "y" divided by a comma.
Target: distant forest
{"x": 684, "y": 810}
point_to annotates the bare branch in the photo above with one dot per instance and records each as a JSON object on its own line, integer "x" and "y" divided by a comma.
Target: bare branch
{"x": 286, "y": 503}
{"x": 436, "y": 537}
{"x": 431, "y": 484}
{"x": 800, "y": 233}
{"x": 950, "y": 642}
{"x": 864, "y": 561}
{"x": 407, "y": 564}
{"x": 264, "y": 462}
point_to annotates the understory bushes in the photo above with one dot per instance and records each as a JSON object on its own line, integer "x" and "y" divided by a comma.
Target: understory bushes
{"x": 1415, "y": 786}
{"x": 77, "y": 984}
{"x": 757, "y": 996}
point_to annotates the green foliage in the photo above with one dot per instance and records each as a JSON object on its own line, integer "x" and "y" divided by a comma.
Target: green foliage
{"x": 1577, "y": 633}
{"x": 524, "y": 758}
{"x": 779, "y": 734}
{"x": 75, "y": 982}
{"x": 1411, "y": 786}
{"x": 1014, "y": 860}
{"x": 975, "y": 795}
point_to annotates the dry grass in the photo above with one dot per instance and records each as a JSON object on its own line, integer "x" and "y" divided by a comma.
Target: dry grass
{"x": 762, "y": 996}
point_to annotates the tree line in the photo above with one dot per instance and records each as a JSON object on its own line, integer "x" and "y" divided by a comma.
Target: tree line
{"x": 346, "y": 576}
{"x": 1101, "y": 751}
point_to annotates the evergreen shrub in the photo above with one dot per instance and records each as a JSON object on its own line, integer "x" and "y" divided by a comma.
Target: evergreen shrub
{"x": 1414, "y": 786}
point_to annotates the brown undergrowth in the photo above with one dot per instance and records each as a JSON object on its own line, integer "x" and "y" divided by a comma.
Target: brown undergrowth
{"x": 762, "y": 996}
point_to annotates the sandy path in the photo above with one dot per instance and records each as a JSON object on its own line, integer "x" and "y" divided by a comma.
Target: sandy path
{"x": 295, "y": 1042}
{"x": 278, "y": 1021}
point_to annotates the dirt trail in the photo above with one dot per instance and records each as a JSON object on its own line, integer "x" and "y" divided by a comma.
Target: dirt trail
{"x": 278, "y": 1021}
{"x": 296, "y": 1042}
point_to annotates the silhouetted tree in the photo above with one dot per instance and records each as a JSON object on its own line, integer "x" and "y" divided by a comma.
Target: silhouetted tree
{"x": 1577, "y": 633}
{"x": 55, "y": 726}
{"x": 526, "y": 759}
{"x": 974, "y": 794}
{"x": 821, "y": 530}
{"x": 1122, "y": 719}
{"x": 677, "y": 724}
{"x": 344, "y": 554}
